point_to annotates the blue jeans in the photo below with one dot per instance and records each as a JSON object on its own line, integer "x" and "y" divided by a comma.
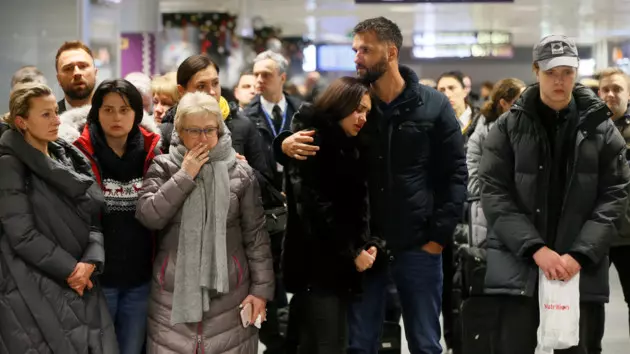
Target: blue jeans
{"x": 128, "y": 308}
{"x": 418, "y": 278}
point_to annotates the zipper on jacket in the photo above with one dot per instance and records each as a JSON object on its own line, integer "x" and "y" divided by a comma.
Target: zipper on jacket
{"x": 163, "y": 272}
{"x": 239, "y": 276}
{"x": 199, "y": 346}
{"x": 572, "y": 171}
{"x": 542, "y": 196}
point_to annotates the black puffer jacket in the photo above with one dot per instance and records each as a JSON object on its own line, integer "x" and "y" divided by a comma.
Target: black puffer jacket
{"x": 3, "y": 127}
{"x": 514, "y": 173}
{"x": 623, "y": 125}
{"x": 48, "y": 213}
{"x": 328, "y": 213}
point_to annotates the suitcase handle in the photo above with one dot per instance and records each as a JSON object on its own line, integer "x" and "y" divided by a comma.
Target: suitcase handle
{"x": 470, "y": 217}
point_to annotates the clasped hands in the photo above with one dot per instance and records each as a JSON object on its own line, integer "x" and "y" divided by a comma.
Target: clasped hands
{"x": 555, "y": 266}
{"x": 80, "y": 277}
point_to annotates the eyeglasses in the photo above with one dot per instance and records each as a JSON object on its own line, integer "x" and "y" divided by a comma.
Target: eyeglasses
{"x": 196, "y": 132}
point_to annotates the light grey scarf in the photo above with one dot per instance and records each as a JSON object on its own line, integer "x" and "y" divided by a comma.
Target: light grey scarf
{"x": 202, "y": 261}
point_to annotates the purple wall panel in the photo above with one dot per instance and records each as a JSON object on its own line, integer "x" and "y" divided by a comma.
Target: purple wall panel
{"x": 131, "y": 53}
{"x": 138, "y": 53}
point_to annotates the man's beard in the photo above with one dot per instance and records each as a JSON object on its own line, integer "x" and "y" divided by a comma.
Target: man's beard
{"x": 78, "y": 94}
{"x": 374, "y": 73}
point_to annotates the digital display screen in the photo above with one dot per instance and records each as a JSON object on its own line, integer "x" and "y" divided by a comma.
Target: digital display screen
{"x": 335, "y": 57}
{"x": 462, "y": 44}
{"x": 463, "y": 51}
{"x": 462, "y": 38}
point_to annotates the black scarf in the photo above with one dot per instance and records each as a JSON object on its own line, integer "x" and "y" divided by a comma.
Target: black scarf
{"x": 125, "y": 168}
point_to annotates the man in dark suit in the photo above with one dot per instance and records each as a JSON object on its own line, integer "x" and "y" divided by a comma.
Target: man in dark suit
{"x": 271, "y": 110}
{"x": 76, "y": 75}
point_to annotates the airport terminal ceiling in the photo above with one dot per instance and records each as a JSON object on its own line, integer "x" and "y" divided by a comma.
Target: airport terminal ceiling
{"x": 588, "y": 21}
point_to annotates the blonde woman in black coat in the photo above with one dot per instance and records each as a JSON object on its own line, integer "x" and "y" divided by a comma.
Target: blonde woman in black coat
{"x": 50, "y": 245}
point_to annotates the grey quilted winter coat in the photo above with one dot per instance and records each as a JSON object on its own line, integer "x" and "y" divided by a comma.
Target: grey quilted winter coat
{"x": 165, "y": 189}
{"x": 48, "y": 222}
{"x": 479, "y": 225}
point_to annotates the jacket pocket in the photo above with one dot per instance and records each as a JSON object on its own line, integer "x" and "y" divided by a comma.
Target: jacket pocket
{"x": 411, "y": 141}
{"x": 505, "y": 272}
{"x": 414, "y": 127}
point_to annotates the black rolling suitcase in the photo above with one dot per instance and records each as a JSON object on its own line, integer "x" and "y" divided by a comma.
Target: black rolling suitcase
{"x": 478, "y": 315}
{"x": 391, "y": 338}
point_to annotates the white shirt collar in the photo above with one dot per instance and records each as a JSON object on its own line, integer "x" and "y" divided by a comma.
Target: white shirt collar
{"x": 68, "y": 105}
{"x": 268, "y": 106}
{"x": 465, "y": 118}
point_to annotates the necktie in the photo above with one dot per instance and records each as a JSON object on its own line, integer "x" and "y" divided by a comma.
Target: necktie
{"x": 277, "y": 118}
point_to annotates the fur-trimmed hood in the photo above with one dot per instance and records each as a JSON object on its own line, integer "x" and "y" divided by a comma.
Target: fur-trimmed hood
{"x": 73, "y": 121}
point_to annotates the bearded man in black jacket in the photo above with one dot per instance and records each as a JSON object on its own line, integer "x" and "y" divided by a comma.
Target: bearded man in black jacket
{"x": 417, "y": 176}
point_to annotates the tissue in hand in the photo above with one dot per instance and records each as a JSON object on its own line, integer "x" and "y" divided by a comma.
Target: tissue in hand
{"x": 258, "y": 322}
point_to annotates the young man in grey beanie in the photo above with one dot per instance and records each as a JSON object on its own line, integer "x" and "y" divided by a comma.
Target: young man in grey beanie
{"x": 554, "y": 184}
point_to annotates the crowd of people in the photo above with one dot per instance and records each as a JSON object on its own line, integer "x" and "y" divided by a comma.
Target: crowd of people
{"x": 156, "y": 215}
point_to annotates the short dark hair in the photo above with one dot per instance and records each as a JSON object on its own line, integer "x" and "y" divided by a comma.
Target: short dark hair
{"x": 243, "y": 73}
{"x": 71, "y": 45}
{"x": 126, "y": 90}
{"x": 384, "y": 29}
{"x": 457, "y": 75}
{"x": 340, "y": 99}
{"x": 192, "y": 65}
{"x": 246, "y": 72}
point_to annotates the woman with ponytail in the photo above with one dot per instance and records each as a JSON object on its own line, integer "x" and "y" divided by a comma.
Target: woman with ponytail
{"x": 452, "y": 85}
{"x": 501, "y": 98}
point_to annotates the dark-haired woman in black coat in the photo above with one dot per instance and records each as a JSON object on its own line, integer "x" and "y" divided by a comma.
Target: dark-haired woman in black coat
{"x": 327, "y": 244}
{"x": 50, "y": 243}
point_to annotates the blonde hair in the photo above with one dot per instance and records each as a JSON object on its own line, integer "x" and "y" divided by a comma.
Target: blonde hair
{"x": 20, "y": 100}
{"x": 195, "y": 103}
{"x": 608, "y": 72}
{"x": 166, "y": 85}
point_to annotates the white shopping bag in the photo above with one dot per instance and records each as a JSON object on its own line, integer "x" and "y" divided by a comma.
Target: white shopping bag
{"x": 559, "y": 314}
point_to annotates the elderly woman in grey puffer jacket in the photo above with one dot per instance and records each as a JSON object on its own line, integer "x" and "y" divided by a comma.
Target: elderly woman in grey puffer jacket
{"x": 501, "y": 98}
{"x": 214, "y": 256}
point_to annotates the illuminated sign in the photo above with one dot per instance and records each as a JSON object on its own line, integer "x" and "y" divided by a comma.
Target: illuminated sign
{"x": 462, "y": 44}
{"x": 463, "y": 51}
{"x": 462, "y": 38}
